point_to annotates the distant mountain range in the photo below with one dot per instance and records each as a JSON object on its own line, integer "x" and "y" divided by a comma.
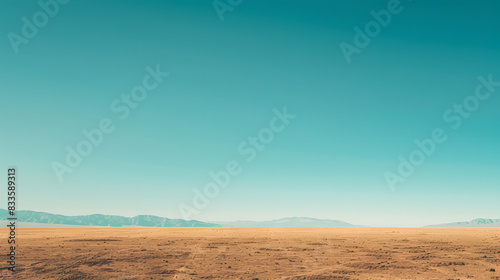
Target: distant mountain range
{"x": 290, "y": 222}
{"x": 102, "y": 220}
{"x": 27, "y": 218}
{"x": 473, "y": 223}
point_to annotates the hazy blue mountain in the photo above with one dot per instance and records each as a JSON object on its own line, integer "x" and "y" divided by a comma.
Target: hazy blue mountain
{"x": 290, "y": 222}
{"x": 102, "y": 220}
{"x": 473, "y": 223}
{"x": 37, "y": 219}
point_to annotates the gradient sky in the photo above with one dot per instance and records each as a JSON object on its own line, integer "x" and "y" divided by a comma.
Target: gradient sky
{"x": 353, "y": 119}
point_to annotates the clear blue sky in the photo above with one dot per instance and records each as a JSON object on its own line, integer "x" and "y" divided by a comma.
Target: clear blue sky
{"x": 353, "y": 119}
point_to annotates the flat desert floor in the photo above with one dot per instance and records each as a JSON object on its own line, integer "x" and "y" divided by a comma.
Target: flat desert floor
{"x": 255, "y": 253}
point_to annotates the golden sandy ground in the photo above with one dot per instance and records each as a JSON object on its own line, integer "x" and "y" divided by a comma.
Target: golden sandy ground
{"x": 254, "y": 253}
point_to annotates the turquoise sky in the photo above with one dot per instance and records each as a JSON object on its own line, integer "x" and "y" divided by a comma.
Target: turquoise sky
{"x": 353, "y": 120}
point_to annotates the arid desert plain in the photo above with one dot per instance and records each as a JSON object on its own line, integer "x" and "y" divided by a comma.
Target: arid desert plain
{"x": 255, "y": 253}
